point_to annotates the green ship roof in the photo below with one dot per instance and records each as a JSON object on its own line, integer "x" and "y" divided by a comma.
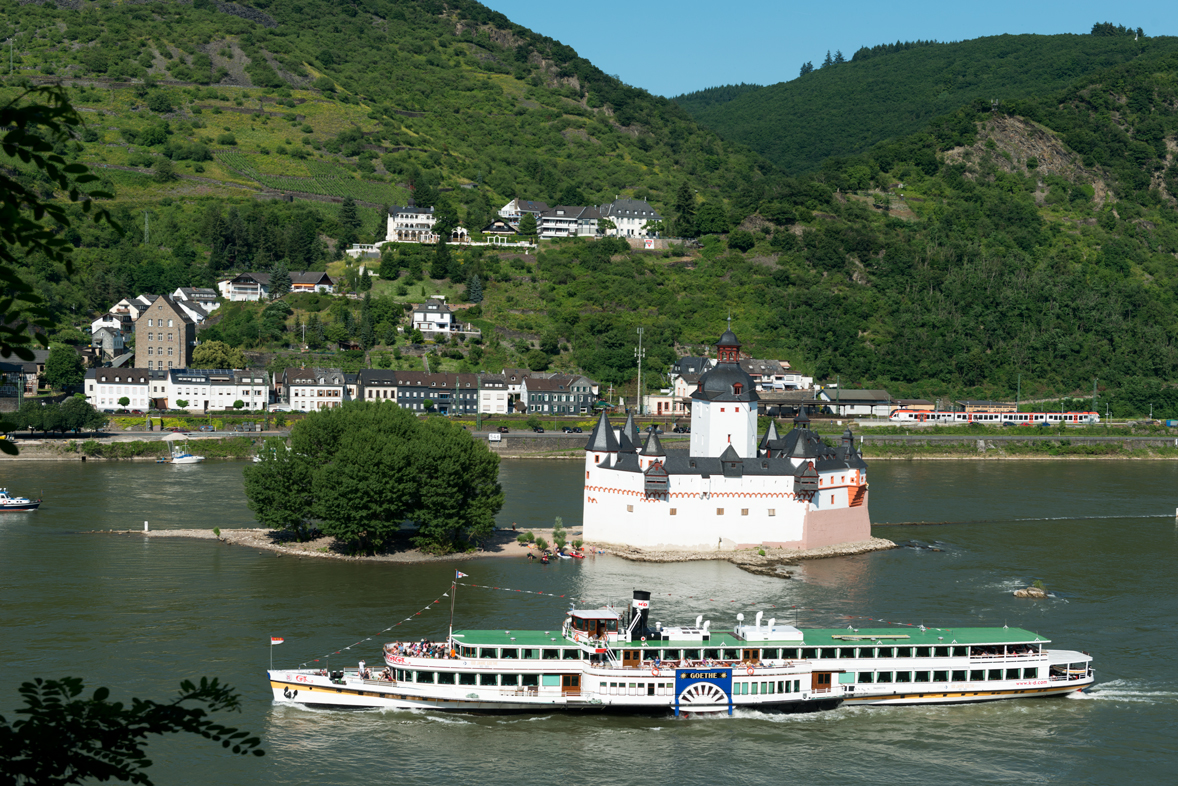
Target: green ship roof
{"x": 820, "y": 637}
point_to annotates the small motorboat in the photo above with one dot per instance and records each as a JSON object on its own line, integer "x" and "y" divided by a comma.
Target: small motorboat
{"x": 543, "y": 559}
{"x": 11, "y": 504}
{"x": 577, "y": 555}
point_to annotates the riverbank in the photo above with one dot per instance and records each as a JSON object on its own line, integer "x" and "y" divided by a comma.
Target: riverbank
{"x": 116, "y": 449}
{"x": 504, "y": 544}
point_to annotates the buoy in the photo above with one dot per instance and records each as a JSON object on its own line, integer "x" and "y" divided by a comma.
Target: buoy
{"x": 146, "y": 529}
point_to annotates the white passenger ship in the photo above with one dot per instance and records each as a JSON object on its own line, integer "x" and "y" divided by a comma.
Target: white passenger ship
{"x": 603, "y": 660}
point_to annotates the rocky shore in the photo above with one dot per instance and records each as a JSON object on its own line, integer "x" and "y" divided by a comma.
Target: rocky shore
{"x": 503, "y": 543}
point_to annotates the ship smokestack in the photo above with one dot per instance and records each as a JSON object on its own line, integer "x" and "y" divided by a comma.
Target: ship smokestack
{"x": 640, "y": 614}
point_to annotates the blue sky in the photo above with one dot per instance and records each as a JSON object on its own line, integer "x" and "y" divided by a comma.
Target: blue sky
{"x": 675, "y": 47}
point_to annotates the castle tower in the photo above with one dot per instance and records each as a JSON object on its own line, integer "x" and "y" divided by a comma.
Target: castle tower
{"x": 724, "y": 406}
{"x": 602, "y": 445}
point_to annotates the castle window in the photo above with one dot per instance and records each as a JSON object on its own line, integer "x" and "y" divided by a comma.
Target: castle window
{"x": 674, "y": 511}
{"x": 744, "y": 511}
{"x": 772, "y": 511}
{"x": 629, "y": 508}
{"x": 737, "y": 388}
{"x": 719, "y": 511}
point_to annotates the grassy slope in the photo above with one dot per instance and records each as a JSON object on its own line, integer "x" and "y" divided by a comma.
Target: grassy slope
{"x": 845, "y": 109}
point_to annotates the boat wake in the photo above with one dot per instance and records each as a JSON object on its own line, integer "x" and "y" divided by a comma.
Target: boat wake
{"x": 1126, "y": 691}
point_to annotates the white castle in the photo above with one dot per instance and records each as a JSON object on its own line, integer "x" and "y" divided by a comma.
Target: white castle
{"x": 727, "y": 491}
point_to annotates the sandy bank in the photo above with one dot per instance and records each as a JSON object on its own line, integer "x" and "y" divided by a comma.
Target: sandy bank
{"x": 503, "y": 544}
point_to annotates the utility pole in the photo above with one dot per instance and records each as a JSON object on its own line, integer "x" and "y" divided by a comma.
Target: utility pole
{"x": 1018, "y": 397}
{"x": 639, "y": 353}
{"x": 1094, "y": 396}
{"x": 478, "y": 408}
{"x": 838, "y": 394}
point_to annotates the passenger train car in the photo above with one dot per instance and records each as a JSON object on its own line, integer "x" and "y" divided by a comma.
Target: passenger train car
{"x": 994, "y": 418}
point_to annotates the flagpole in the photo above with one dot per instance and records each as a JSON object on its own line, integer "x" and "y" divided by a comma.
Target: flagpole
{"x": 453, "y": 593}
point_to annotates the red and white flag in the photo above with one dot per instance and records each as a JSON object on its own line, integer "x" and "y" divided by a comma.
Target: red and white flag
{"x": 275, "y": 640}
{"x": 459, "y": 575}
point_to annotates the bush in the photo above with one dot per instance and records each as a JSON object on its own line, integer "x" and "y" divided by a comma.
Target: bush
{"x": 521, "y": 538}
{"x": 226, "y": 139}
{"x": 541, "y": 544}
{"x": 740, "y": 240}
{"x": 531, "y": 537}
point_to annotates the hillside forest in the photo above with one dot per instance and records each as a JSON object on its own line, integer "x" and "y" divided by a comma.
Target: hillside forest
{"x": 1034, "y": 238}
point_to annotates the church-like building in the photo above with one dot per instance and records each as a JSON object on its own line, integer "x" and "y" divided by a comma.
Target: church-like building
{"x": 729, "y": 490}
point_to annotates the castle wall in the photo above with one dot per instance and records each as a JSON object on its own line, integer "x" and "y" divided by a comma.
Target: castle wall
{"x": 704, "y": 513}
{"x": 715, "y": 426}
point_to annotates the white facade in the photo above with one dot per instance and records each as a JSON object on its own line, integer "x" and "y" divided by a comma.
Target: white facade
{"x": 105, "y": 386}
{"x": 717, "y": 425}
{"x": 244, "y": 288}
{"x": 411, "y": 224}
{"x": 631, "y": 217}
{"x": 215, "y": 390}
{"x": 433, "y": 316}
{"x": 566, "y": 221}
{"x": 494, "y": 397}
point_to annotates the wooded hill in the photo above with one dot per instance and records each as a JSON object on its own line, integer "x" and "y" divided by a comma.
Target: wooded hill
{"x": 1038, "y": 239}
{"x": 845, "y": 108}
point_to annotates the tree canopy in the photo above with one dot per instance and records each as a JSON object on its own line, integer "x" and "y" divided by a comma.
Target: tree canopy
{"x": 217, "y": 354}
{"x": 363, "y": 470}
{"x": 63, "y": 739}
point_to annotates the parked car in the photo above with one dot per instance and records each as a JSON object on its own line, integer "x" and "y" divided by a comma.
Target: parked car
{"x": 682, "y": 429}
{"x": 654, "y": 428}
{"x": 504, "y": 430}
{"x": 177, "y": 429}
{"x": 281, "y": 408}
{"x": 538, "y": 429}
{"x": 571, "y": 429}
{"x": 136, "y": 412}
{"x": 577, "y": 430}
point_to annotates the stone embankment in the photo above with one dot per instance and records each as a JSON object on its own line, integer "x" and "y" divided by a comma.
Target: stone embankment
{"x": 774, "y": 562}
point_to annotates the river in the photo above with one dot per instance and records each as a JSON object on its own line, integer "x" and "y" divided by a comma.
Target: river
{"x": 139, "y": 615}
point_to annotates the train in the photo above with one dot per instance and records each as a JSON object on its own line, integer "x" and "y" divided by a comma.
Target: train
{"x": 994, "y": 418}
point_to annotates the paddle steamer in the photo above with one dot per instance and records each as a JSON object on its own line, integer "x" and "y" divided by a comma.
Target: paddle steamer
{"x": 606, "y": 660}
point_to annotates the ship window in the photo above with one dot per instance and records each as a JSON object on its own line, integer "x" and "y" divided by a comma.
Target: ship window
{"x": 529, "y": 680}
{"x": 445, "y": 678}
{"x": 731, "y": 654}
{"x": 1031, "y": 674}
{"x": 960, "y": 652}
{"x": 942, "y": 652}
{"x": 885, "y": 652}
{"x": 505, "y": 653}
{"x": 530, "y": 654}
{"x": 551, "y": 654}
{"x": 1012, "y": 674}
{"x": 488, "y": 652}
{"x": 904, "y": 652}
{"x": 924, "y": 652}
{"x": 466, "y": 678}
{"x": 830, "y": 652}
{"x": 691, "y": 654}
{"x": 789, "y": 654}
{"x": 784, "y": 687}
{"x": 884, "y": 676}
{"x": 866, "y": 652}
{"x": 487, "y": 679}
{"x": 572, "y": 654}
{"x": 866, "y": 676}
{"x": 994, "y": 674}
{"x": 468, "y": 652}
{"x": 712, "y": 654}
{"x": 770, "y": 654}
{"x": 976, "y": 675}
{"x": 809, "y": 653}
{"x": 509, "y": 679}
{"x": 940, "y": 676}
{"x": 959, "y": 676}
{"x": 903, "y": 676}
{"x": 425, "y": 676}
{"x": 754, "y": 688}
{"x": 922, "y": 676}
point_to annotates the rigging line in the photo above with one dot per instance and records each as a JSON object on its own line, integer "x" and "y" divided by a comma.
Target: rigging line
{"x": 386, "y": 630}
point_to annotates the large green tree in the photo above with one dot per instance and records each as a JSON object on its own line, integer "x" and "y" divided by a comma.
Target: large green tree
{"x": 363, "y": 470}
{"x": 63, "y": 368}
{"x": 217, "y": 354}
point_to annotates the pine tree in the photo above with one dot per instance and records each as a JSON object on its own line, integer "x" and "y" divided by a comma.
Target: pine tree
{"x": 440, "y": 267}
{"x": 474, "y": 289}
{"x": 807, "y": 67}
{"x": 365, "y": 281}
{"x": 279, "y": 281}
{"x": 828, "y": 61}
{"x": 349, "y": 217}
{"x": 685, "y": 211}
{"x": 838, "y": 57}
{"x": 527, "y": 226}
{"x": 367, "y": 335}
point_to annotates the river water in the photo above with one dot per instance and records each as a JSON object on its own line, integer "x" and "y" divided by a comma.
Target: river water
{"x": 140, "y": 615}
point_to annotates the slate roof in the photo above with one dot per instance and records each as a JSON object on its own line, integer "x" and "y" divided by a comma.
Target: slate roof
{"x": 602, "y": 439}
{"x": 629, "y": 442}
{"x": 653, "y": 447}
{"x": 629, "y": 208}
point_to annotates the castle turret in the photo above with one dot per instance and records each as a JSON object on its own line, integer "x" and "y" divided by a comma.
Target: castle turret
{"x": 652, "y": 451}
{"x": 629, "y": 442}
{"x": 602, "y": 443}
{"x": 724, "y": 406}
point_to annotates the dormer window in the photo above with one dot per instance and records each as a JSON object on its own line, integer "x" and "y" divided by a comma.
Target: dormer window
{"x": 737, "y": 388}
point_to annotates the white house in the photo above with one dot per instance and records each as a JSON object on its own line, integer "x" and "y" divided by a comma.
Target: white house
{"x": 515, "y": 210}
{"x": 132, "y": 307}
{"x": 852, "y": 403}
{"x": 434, "y": 316}
{"x": 411, "y": 224}
{"x": 208, "y": 390}
{"x": 106, "y": 386}
{"x": 568, "y": 221}
{"x": 310, "y": 389}
{"x": 630, "y": 217}
{"x": 728, "y": 490}
{"x": 775, "y": 375}
{"x": 245, "y": 286}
